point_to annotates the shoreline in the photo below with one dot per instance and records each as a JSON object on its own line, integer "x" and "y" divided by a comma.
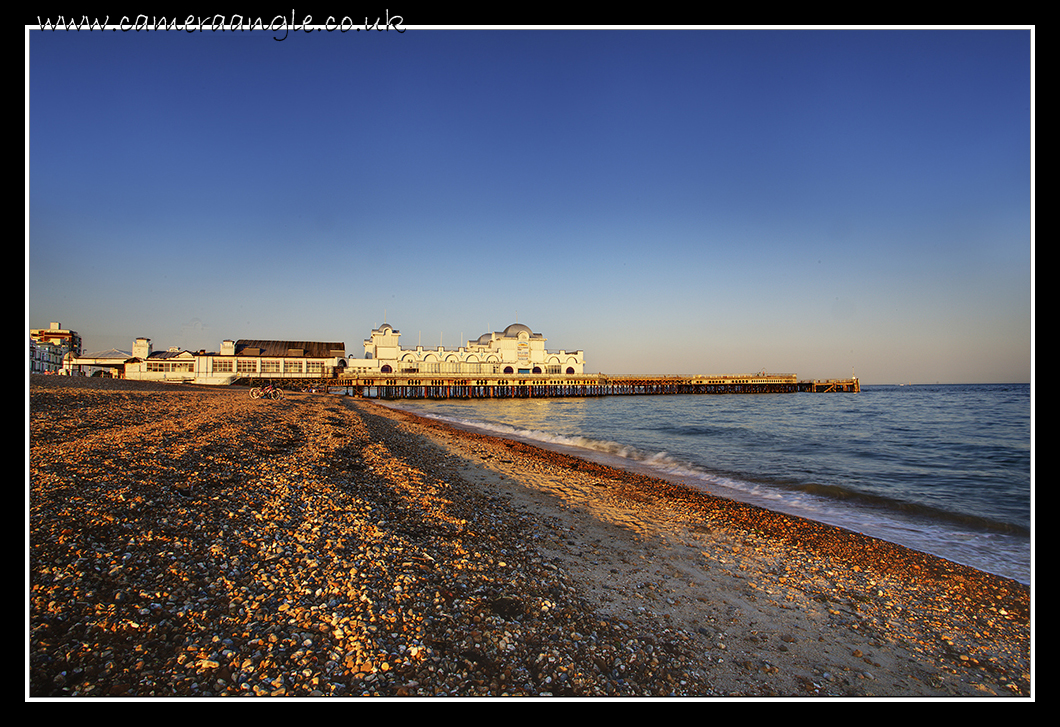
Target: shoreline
{"x": 792, "y": 558}
{"x": 523, "y": 571}
{"x": 979, "y": 543}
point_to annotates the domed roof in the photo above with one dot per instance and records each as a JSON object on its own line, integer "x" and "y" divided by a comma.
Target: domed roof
{"x": 515, "y": 329}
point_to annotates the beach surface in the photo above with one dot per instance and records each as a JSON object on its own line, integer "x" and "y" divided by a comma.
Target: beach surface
{"x": 191, "y": 542}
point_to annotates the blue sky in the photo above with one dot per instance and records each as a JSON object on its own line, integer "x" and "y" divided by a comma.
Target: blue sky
{"x": 669, "y": 201}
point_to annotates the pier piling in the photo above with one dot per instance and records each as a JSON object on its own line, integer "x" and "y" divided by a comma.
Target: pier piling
{"x": 419, "y": 386}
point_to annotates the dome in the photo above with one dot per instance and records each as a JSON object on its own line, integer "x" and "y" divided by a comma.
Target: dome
{"x": 515, "y": 329}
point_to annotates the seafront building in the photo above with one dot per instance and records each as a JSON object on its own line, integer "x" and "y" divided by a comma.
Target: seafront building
{"x": 58, "y": 336}
{"x": 509, "y": 363}
{"x": 49, "y": 346}
{"x": 515, "y": 350}
{"x": 45, "y": 358}
{"x": 242, "y": 359}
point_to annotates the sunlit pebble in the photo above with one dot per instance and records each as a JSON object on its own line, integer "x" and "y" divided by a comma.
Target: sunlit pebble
{"x": 214, "y": 627}
{"x": 198, "y": 544}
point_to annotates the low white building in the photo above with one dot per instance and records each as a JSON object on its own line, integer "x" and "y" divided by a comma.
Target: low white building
{"x": 242, "y": 359}
{"x": 515, "y": 350}
{"x": 110, "y": 363}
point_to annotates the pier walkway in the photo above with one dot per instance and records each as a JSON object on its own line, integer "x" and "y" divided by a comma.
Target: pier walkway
{"x": 505, "y": 386}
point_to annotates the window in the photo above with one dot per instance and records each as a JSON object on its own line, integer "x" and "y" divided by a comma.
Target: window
{"x": 222, "y": 365}
{"x": 292, "y": 367}
{"x": 270, "y": 366}
{"x": 314, "y": 367}
{"x": 169, "y": 367}
{"x": 247, "y": 366}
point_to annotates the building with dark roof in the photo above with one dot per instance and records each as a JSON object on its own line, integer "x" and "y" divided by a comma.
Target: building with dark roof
{"x": 242, "y": 359}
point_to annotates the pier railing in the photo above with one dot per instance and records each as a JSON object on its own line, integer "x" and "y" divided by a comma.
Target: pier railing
{"x": 506, "y": 386}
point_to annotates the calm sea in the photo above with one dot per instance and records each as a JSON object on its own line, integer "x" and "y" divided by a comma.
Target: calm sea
{"x": 943, "y": 469}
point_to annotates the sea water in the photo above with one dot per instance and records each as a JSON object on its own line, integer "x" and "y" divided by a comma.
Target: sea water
{"x": 943, "y": 469}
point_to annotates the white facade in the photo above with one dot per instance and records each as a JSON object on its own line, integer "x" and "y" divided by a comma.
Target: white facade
{"x": 515, "y": 350}
{"x": 236, "y": 360}
{"x": 45, "y": 358}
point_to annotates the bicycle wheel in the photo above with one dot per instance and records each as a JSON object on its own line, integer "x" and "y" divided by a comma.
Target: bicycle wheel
{"x": 277, "y": 394}
{"x": 255, "y": 393}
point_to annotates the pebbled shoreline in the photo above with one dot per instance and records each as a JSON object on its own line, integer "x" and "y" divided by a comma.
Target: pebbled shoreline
{"x": 188, "y": 541}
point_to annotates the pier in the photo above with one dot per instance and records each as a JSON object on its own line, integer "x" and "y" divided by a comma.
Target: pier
{"x": 414, "y": 385}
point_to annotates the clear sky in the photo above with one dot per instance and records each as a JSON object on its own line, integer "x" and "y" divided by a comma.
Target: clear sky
{"x": 668, "y": 201}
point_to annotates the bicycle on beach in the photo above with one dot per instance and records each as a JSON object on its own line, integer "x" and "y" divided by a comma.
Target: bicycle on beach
{"x": 269, "y": 391}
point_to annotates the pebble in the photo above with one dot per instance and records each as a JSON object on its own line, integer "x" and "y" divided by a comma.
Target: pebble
{"x": 193, "y": 543}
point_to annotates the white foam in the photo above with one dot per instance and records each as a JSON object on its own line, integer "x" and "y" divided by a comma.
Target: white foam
{"x": 978, "y": 550}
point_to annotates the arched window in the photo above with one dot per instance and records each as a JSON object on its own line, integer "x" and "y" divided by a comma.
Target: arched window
{"x": 537, "y": 370}
{"x": 508, "y": 370}
{"x": 570, "y": 370}
{"x": 386, "y": 369}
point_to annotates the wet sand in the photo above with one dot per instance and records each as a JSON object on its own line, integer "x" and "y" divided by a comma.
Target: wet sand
{"x": 194, "y": 542}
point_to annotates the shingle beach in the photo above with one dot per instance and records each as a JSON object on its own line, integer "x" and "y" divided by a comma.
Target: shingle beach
{"x": 194, "y": 542}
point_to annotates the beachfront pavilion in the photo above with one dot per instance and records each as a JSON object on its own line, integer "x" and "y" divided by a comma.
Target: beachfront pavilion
{"x": 111, "y": 362}
{"x": 515, "y": 350}
{"x": 242, "y": 359}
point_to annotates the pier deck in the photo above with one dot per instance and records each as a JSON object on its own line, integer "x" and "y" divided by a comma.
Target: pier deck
{"x": 501, "y": 386}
